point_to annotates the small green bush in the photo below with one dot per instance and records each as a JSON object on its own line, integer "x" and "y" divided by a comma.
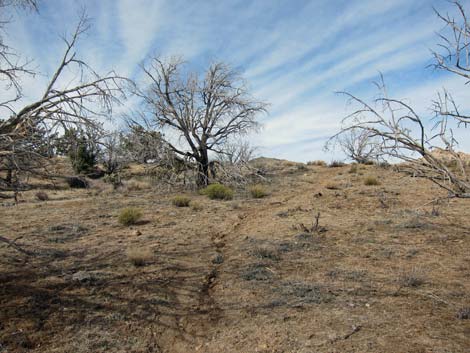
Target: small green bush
{"x": 181, "y": 201}
{"x": 258, "y": 191}
{"x": 130, "y": 216}
{"x": 371, "y": 181}
{"x": 218, "y": 192}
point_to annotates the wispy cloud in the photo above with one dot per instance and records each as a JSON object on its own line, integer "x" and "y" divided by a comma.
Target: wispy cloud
{"x": 294, "y": 54}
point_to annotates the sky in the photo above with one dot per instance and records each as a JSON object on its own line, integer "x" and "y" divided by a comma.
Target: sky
{"x": 294, "y": 54}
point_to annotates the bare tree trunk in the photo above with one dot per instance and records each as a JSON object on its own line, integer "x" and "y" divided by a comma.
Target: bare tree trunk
{"x": 203, "y": 169}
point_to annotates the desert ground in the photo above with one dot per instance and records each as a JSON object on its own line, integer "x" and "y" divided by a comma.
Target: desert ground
{"x": 386, "y": 269}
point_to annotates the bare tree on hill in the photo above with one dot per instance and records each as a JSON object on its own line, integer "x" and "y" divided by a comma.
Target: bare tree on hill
{"x": 403, "y": 134}
{"x": 203, "y": 112}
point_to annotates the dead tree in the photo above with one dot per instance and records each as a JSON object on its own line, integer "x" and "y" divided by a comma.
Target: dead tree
{"x": 401, "y": 134}
{"x": 358, "y": 145}
{"x": 454, "y": 57}
{"x": 236, "y": 152}
{"x": 62, "y": 107}
{"x": 202, "y": 112}
{"x": 404, "y": 135}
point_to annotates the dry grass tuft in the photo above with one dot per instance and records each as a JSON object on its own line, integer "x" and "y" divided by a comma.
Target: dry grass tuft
{"x": 353, "y": 168}
{"x": 195, "y": 206}
{"x": 129, "y": 216}
{"x": 371, "y": 181}
{"x": 181, "y": 201}
{"x": 258, "y": 191}
{"x": 332, "y": 186}
{"x": 139, "y": 257}
{"x": 412, "y": 279}
{"x": 137, "y": 185}
{"x": 218, "y": 192}
{"x": 317, "y": 163}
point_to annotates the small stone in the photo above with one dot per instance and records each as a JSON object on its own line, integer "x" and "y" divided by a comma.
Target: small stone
{"x": 82, "y": 276}
{"x": 218, "y": 259}
{"x": 137, "y": 233}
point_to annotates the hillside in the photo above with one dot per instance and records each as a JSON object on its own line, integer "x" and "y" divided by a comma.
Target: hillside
{"x": 386, "y": 269}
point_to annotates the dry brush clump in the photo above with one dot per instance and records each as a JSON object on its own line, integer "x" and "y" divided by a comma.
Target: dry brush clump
{"x": 317, "y": 163}
{"x": 336, "y": 164}
{"x": 412, "y": 279}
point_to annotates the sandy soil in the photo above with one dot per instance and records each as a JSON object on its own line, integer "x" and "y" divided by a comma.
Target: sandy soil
{"x": 386, "y": 270}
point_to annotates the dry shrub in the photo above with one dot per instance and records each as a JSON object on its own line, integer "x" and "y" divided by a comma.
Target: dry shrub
{"x": 137, "y": 185}
{"x": 195, "y": 206}
{"x": 463, "y": 313}
{"x": 332, "y": 186}
{"x": 412, "y": 279}
{"x": 353, "y": 168}
{"x": 218, "y": 192}
{"x": 258, "y": 191}
{"x": 42, "y": 196}
{"x": 181, "y": 201}
{"x": 77, "y": 182}
{"x": 129, "y": 216}
{"x": 139, "y": 257}
{"x": 336, "y": 164}
{"x": 371, "y": 181}
{"x": 317, "y": 163}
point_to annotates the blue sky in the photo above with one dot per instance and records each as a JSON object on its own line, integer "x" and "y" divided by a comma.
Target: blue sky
{"x": 294, "y": 54}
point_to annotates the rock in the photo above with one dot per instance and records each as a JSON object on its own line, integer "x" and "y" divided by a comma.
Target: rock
{"x": 218, "y": 259}
{"x": 83, "y": 277}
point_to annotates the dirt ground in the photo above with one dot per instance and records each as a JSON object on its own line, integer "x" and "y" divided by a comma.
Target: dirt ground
{"x": 386, "y": 270}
